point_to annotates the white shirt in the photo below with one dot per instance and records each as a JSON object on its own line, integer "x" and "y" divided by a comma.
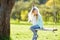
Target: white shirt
{"x": 34, "y": 21}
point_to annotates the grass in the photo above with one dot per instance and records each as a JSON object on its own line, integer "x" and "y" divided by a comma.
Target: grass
{"x": 23, "y": 32}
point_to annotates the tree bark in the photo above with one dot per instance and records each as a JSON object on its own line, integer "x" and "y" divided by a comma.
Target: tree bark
{"x": 5, "y": 10}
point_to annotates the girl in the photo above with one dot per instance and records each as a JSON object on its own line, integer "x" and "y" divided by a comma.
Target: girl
{"x": 36, "y": 19}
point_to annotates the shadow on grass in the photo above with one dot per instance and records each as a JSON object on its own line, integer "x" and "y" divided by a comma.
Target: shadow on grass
{"x": 5, "y": 38}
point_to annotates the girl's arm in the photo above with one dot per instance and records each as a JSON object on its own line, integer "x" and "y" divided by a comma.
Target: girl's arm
{"x": 40, "y": 21}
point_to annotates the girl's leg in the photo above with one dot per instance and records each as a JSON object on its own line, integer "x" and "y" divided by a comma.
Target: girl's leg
{"x": 34, "y": 33}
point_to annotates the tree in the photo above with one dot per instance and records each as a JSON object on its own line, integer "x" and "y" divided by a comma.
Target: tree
{"x": 5, "y": 10}
{"x": 42, "y": 1}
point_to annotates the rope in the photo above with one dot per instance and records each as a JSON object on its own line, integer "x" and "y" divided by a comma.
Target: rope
{"x": 54, "y": 14}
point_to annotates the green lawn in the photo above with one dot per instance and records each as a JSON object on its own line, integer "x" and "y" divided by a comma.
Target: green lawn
{"x": 23, "y": 32}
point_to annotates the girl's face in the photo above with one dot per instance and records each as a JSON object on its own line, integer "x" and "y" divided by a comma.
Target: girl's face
{"x": 35, "y": 12}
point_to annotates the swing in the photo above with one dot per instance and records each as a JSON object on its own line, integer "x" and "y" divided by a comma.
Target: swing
{"x": 40, "y": 24}
{"x": 49, "y": 29}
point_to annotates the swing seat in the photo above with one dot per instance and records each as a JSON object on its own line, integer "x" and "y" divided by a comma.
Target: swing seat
{"x": 54, "y": 29}
{"x": 48, "y": 29}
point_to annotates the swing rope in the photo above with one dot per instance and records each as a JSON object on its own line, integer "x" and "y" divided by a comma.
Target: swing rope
{"x": 54, "y": 15}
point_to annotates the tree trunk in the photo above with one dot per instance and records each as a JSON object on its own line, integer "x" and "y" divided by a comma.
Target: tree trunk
{"x": 5, "y": 10}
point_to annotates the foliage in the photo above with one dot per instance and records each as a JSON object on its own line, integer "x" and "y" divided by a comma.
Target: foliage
{"x": 46, "y": 8}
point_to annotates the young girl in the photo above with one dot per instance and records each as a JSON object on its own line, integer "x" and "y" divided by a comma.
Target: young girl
{"x": 36, "y": 19}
